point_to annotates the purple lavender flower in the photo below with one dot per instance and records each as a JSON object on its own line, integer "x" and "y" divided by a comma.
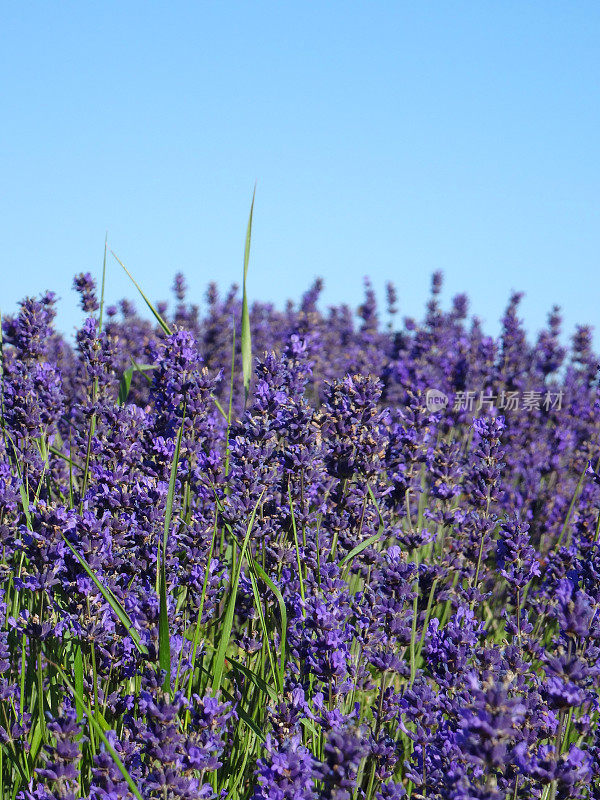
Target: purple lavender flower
{"x": 286, "y": 772}
{"x": 85, "y": 285}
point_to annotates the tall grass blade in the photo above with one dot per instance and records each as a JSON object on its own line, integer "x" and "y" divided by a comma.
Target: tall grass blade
{"x": 259, "y": 572}
{"x": 219, "y": 406}
{"x": 164, "y": 639}
{"x": 69, "y": 461}
{"x": 25, "y": 502}
{"x": 116, "y": 606}
{"x": 245, "y": 333}
{"x": 360, "y": 547}
{"x": 262, "y": 575}
{"x": 243, "y": 715}
{"x": 576, "y": 494}
{"x": 101, "y": 314}
{"x": 246, "y": 672}
{"x": 157, "y": 316}
{"x": 196, "y": 639}
{"x": 113, "y": 753}
{"x": 237, "y": 666}
{"x": 127, "y": 377}
{"x": 230, "y": 409}
{"x": 78, "y": 667}
{"x": 225, "y": 633}
{"x": 125, "y": 386}
{"x": 265, "y": 630}
{"x": 296, "y": 545}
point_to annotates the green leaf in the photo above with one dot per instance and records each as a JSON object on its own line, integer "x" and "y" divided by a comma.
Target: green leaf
{"x": 371, "y": 540}
{"x": 360, "y": 547}
{"x": 172, "y": 482}
{"x": 41, "y": 695}
{"x": 157, "y": 316}
{"x": 143, "y": 369}
{"x": 265, "y": 631}
{"x": 125, "y": 385}
{"x": 196, "y": 635}
{"x": 295, "y": 530}
{"x": 243, "y": 715}
{"x": 69, "y": 461}
{"x": 35, "y": 742}
{"x": 245, "y": 333}
{"x": 103, "y": 284}
{"x": 25, "y": 502}
{"x": 571, "y": 507}
{"x": 110, "y": 599}
{"x": 230, "y": 410}
{"x": 219, "y": 406}
{"x": 78, "y": 666}
{"x": 259, "y": 571}
{"x": 113, "y": 753}
{"x": 127, "y": 376}
{"x": 164, "y": 641}
{"x": 374, "y": 499}
{"x": 225, "y": 633}
{"x": 237, "y": 666}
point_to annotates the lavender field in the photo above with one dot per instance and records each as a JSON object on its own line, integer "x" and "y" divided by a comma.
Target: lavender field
{"x": 309, "y": 553}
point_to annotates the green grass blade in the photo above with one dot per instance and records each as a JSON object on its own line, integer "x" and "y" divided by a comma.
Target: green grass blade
{"x": 172, "y": 482}
{"x": 127, "y": 376}
{"x": 374, "y": 499}
{"x": 295, "y": 530}
{"x": 262, "y": 575}
{"x": 225, "y": 633}
{"x": 164, "y": 638}
{"x": 157, "y": 316}
{"x": 125, "y": 386}
{"x": 143, "y": 369}
{"x": 346, "y": 561}
{"x": 230, "y": 409}
{"x": 110, "y": 599}
{"x": 196, "y": 639}
{"x": 240, "y": 771}
{"x": 265, "y": 630}
{"x": 245, "y": 333}
{"x": 78, "y": 667}
{"x": 571, "y": 507}
{"x": 69, "y": 461}
{"x": 113, "y": 753}
{"x": 259, "y": 571}
{"x": 360, "y": 547}
{"x": 101, "y": 315}
{"x": 243, "y": 715}
{"x": 41, "y": 696}
{"x": 25, "y": 502}
{"x": 237, "y": 666}
{"x": 35, "y": 743}
{"x": 219, "y": 406}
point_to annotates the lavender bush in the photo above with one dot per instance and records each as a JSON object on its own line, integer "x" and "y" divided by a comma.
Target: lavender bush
{"x": 330, "y": 588}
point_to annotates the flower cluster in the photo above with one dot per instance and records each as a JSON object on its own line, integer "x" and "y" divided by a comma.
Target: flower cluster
{"x": 317, "y": 589}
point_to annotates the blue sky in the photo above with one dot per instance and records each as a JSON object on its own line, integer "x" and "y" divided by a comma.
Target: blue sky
{"x": 387, "y": 139}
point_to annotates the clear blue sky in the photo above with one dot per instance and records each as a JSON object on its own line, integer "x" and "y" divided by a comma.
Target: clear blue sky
{"x": 387, "y": 139}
